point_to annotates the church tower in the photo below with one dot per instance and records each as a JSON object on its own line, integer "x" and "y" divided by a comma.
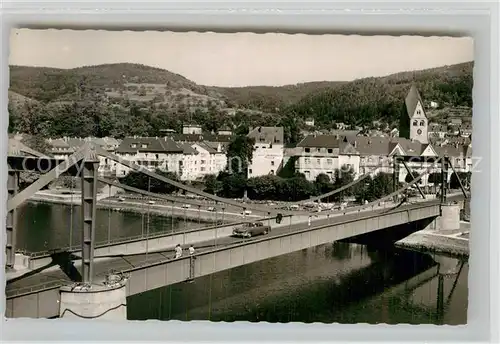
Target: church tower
{"x": 414, "y": 124}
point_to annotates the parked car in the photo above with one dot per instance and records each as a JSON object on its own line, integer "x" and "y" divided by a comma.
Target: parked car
{"x": 186, "y": 206}
{"x": 211, "y": 208}
{"x": 121, "y": 199}
{"x": 251, "y": 229}
{"x": 151, "y": 202}
{"x": 246, "y": 212}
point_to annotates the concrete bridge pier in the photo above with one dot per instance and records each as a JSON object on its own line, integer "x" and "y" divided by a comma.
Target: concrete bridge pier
{"x": 97, "y": 301}
{"x": 448, "y": 221}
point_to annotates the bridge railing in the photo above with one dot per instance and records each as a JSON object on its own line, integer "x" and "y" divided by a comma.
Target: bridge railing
{"x": 130, "y": 239}
{"x": 37, "y": 288}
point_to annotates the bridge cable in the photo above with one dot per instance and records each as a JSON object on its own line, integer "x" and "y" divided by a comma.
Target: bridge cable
{"x": 71, "y": 215}
{"x": 147, "y": 225}
{"x": 172, "y": 216}
{"x": 109, "y": 217}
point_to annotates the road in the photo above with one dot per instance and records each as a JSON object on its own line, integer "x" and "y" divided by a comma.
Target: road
{"x": 102, "y": 266}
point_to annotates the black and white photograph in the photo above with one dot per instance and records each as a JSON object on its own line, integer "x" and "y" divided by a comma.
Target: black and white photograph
{"x": 254, "y": 177}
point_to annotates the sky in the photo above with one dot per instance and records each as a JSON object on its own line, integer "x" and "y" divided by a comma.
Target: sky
{"x": 240, "y": 59}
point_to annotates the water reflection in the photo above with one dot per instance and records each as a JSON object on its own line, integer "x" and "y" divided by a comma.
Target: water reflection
{"x": 314, "y": 285}
{"x": 44, "y": 226}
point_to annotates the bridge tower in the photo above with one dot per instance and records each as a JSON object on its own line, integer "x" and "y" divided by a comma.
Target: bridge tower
{"x": 89, "y": 300}
{"x": 10, "y": 247}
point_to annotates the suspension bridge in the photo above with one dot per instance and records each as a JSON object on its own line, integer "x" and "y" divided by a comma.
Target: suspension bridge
{"x": 93, "y": 280}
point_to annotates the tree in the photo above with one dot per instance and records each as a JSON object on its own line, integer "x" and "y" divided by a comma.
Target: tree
{"x": 323, "y": 184}
{"x": 233, "y": 184}
{"x": 464, "y": 178}
{"x": 264, "y": 187}
{"x": 435, "y": 178}
{"x": 409, "y": 178}
{"x": 212, "y": 185}
{"x": 37, "y": 143}
{"x": 240, "y": 153}
{"x": 141, "y": 181}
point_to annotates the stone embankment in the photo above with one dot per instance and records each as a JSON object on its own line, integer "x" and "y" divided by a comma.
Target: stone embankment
{"x": 448, "y": 242}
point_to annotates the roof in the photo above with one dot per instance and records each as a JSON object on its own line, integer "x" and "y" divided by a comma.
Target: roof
{"x": 17, "y": 148}
{"x": 345, "y": 132}
{"x": 200, "y": 137}
{"x": 267, "y": 134}
{"x": 320, "y": 141}
{"x": 187, "y": 149}
{"x": 411, "y": 100}
{"x": 153, "y": 144}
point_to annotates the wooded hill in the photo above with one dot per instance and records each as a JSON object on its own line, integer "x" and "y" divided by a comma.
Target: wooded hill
{"x": 127, "y": 99}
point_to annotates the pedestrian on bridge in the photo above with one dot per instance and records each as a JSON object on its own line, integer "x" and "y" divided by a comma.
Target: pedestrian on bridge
{"x": 309, "y": 221}
{"x": 191, "y": 250}
{"x": 178, "y": 251}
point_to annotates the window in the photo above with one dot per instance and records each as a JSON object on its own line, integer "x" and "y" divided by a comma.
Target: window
{"x": 330, "y": 150}
{"x": 272, "y": 163}
{"x": 307, "y": 173}
{"x": 318, "y": 161}
{"x": 415, "y": 123}
{"x": 422, "y": 123}
{"x": 203, "y": 162}
{"x": 307, "y": 161}
{"x": 144, "y": 145}
{"x": 319, "y": 149}
{"x": 156, "y": 155}
{"x": 307, "y": 150}
{"x": 272, "y": 171}
{"x": 202, "y": 169}
{"x": 249, "y": 171}
{"x": 329, "y": 161}
{"x": 133, "y": 145}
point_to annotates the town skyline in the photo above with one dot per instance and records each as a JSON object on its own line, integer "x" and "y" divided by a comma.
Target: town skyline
{"x": 240, "y": 55}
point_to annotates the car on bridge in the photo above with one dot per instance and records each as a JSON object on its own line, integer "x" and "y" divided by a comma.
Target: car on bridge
{"x": 251, "y": 229}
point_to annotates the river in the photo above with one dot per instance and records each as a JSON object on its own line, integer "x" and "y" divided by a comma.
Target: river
{"x": 338, "y": 282}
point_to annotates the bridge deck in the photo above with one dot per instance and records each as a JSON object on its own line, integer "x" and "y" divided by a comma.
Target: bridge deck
{"x": 56, "y": 276}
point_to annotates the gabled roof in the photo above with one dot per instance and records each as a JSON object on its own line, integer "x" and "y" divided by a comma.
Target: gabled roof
{"x": 187, "y": 149}
{"x": 267, "y": 134}
{"x": 320, "y": 141}
{"x": 411, "y": 100}
{"x": 153, "y": 145}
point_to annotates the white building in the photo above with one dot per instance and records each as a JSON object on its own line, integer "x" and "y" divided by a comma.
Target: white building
{"x": 212, "y": 157}
{"x": 151, "y": 153}
{"x": 323, "y": 154}
{"x": 309, "y": 122}
{"x": 192, "y": 129}
{"x": 62, "y": 148}
{"x": 268, "y": 151}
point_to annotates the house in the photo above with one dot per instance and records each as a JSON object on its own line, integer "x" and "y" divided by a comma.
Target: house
{"x": 323, "y": 154}
{"x": 434, "y": 105}
{"x": 194, "y": 129}
{"x": 414, "y": 123}
{"x": 62, "y": 148}
{"x": 267, "y": 157}
{"x": 437, "y": 130}
{"x": 212, "y": 160}
{"x": 225, "y": 131}
{"x": 309, "y": 122}
{"x": 394, "y": 132}
{"x": 150, "y": 153}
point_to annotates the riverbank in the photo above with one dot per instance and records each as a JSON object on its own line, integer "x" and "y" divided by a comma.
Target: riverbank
{"x": 103, "y": 203}
{"x": 454, "y": 243}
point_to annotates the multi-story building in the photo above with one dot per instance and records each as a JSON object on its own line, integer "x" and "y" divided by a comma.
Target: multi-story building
{"x": 267, "y": 157}
{"x": 323, "y": 154}
{"x": 151, "y": 153}
{"x": 62, "y": 148}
